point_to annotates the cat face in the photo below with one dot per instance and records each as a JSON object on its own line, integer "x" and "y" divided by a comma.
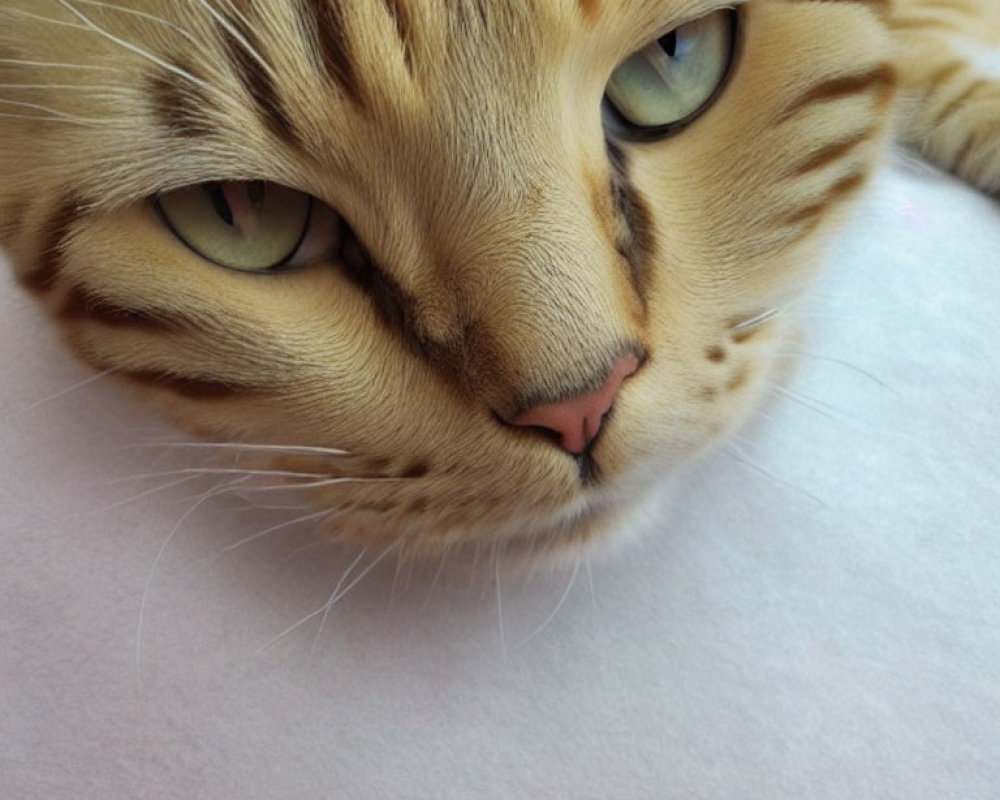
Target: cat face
{"x": 497, "y": 231}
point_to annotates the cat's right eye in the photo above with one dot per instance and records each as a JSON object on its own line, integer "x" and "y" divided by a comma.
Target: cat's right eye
{"x": 671, "y": 81}
{"x": 253, "y": 226}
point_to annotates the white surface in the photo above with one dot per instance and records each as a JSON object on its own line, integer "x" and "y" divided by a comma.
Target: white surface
{"x": 815, "y": 615}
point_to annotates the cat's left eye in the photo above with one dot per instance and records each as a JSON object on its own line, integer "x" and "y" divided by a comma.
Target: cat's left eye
{"x": 253, "y": 226}
{"x": 672, "y": 80}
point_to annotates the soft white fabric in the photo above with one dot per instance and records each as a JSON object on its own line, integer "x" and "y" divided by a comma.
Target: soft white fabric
{"x": 812, "y": 612}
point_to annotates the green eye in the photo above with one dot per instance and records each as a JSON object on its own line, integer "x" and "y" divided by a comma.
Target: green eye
{"x": 246, "y": 225}
{"x": 667, "y": 83}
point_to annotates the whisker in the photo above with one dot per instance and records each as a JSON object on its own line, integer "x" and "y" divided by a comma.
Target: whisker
{"x": 274, "y": 528}
{"x": 39, "y": 18}
{"x": 846, "y": 364}
{"x": 334, "y": 597}
{"x": 18, "y": 62}
{"x": 74, "y": 87}
{"x": 264, "y": 448}
{"x": 156, "y": 562}
{"x": 145, "y": 15}
{"x": 90, "y": 24}
{"x": 56, "y": 115}
{"x": 239, "y": 37}
{"x": 249, "y": 473}
{"x": 589, "y": 572}
{"x": 740, "y": 458}
{"x": 57, "y": 395}
{"x": 499, "y": 593}
{"x": 437, "y": 577}
{"x": 808, "y": 402}
{"x": 555, "y": 611}
{"x": 315, "y": 613}
{"x": 140, "y": 496}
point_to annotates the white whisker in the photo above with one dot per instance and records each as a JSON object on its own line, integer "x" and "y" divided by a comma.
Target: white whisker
{"x": 55, "y": 113}
{"x": 555, "y": 611}
{"x": 239, "y": 37}
{"x": 136, "y": 497}
{"x": 249, "y": 473}
{"x": 32, "y": 118}
{"x": 90, "y": 24}
{"x": 280, "y": 526}
{"x": 589, "y": 572}
{"x": 136, "y": 13}
{"x": 338, "y": 594}
{"x": 321, "y": 610}
{"x": 18, "y": 62}
{"x": 264, "y": 448}
{"x": 73, "y": 87}
{"x": 39, "y": 18}
{"x": 740, "y": 458}
{"x": 338, "y": 481}
{"x": 57, "y": 395}
{"x": 847, "y": 365}
{"x": 499, "y": 592}
{"x": 156, "y": 562}
{"x": 808, "y": 402}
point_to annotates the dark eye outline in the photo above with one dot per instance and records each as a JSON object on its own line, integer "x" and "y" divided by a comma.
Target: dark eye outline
{"x": 280, "y": 266}
{"x": 618, "y": 127}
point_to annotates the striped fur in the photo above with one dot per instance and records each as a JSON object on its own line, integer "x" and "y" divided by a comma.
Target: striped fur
{"x": 499, "y": 248}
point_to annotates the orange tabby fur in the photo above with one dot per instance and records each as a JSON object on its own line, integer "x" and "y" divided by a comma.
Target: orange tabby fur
{"x": 463, "y": 141}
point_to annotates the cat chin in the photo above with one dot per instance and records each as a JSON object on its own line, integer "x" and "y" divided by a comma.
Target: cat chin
{"x": 595, "y": 522}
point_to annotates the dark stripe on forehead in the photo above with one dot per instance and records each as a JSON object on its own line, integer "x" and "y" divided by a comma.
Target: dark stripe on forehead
{"x": 880, "y": 80}
{"x": 331, "y": 46}
{"x": 401, "y": 17}
{"x": 256, "y": 79}
{"x": 179, "y": 104}
{"x": 45, "y": 271}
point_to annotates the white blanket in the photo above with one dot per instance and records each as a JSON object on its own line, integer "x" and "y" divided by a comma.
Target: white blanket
{"x": 813, "y": 611}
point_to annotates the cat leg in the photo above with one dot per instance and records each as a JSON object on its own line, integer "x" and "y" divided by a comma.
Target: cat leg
{"x": 949, "y": 65}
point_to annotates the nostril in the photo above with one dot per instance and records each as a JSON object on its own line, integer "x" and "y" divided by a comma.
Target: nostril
{"x": 577, "y": 421}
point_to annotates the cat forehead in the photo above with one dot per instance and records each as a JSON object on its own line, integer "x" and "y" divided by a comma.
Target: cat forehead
{"x": 287, "y": 89}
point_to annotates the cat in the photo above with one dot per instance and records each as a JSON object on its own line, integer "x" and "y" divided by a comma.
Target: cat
{"x": 469, "y": 271}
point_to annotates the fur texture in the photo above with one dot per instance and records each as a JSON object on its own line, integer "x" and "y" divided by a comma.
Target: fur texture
{"x": 499, "y": 248}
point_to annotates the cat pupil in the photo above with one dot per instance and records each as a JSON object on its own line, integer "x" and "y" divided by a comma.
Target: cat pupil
{"x": 669, "y": 43}
{"x": 255, "y": 193}
{"x": 219, "y": 202}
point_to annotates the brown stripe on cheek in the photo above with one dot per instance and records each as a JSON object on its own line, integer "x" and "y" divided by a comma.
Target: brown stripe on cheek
{"x": 830, "y": 153}
{"x": 83, "y": 305}
{"x": 42, "y": 276}
{"x": 838, "y": 191}
{"x": 635, "y": 238}
{"x": 880, "y": 79}
{"x": 332, "y": 51}
{"x": 200, "y": 388}
{"x": 256, "y": 79}
{"x": 180, "y": 105}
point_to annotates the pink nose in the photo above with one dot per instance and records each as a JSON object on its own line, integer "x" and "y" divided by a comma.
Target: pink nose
{"x": 578, "y": 420}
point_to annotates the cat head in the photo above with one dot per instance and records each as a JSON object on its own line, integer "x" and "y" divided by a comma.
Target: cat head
{"x": 481, "y": 271}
